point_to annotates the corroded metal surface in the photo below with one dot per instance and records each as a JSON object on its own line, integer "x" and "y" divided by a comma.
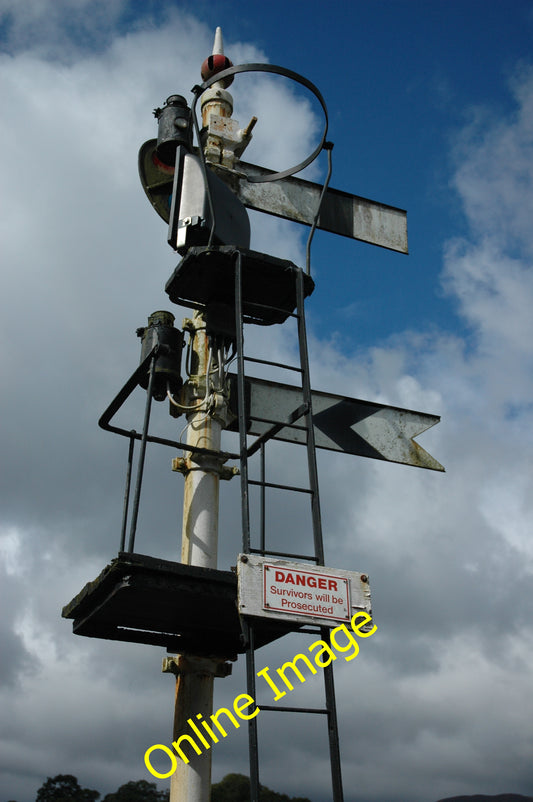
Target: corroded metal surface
{"x": 291, "y": 198}
{"x": 187, "y": 609}
{"x": 341, "y": 213}
{"x": 344, "y": 424}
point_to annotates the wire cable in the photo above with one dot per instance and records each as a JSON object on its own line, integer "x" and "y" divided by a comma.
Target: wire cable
{"x": 207, "y": 390}
{"x": 329, "y": 147}
{"x": 203, "y": 166}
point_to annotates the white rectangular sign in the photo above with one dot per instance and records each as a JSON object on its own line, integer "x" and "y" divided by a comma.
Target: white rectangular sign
{"x": 293, "y": 590}
{"x": 301, "y": 593}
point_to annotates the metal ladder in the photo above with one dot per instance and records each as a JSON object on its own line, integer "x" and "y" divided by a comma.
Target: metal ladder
{"x": 304, "y": 412}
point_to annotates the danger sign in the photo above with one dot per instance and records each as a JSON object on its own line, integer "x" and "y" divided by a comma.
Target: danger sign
{"x": 305, "y": 593}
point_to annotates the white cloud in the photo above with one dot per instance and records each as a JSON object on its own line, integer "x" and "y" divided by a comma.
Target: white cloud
{"x": 449, "y": 556}
{"x": 490, "y": 273}
{"x": 11, "y": 551}
{"x": 85, "y": 261}
{"x": 494, "y": 173}
{"x": 57, "y": 30}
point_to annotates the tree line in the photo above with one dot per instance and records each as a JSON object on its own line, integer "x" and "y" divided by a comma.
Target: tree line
{"x": 233, "y": 788}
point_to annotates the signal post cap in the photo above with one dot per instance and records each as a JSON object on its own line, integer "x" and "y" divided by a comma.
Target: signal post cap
{"x": 217, "y": 96}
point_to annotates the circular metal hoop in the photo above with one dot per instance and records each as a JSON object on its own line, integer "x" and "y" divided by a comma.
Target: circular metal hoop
{"x": 293, "y": 76}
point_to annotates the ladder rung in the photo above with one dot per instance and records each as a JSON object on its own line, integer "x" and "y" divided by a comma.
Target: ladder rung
{"x": 254, "y": 305}
{"x": 277, "y": 708}
{"x": 275, "y": 422}
{"x": 281, "y": 487}
{"x": 274, "y": 364}
{"x": 303, "y": 409}
{"x": 267, "y": 552}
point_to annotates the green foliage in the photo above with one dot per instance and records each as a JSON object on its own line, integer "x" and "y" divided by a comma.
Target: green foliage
{"x": 236, "y": 788}
{"x": 65, "y": 788}
{"x": 140, "y": 791}
{"x": 233, "y": 788}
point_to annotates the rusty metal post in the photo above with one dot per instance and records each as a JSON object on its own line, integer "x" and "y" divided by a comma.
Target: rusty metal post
{"x": 191, "y": 782}
{"x": 202, "y": 473}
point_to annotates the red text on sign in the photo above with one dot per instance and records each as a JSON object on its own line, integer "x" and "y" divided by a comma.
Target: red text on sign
{"x": 306, "y": 579}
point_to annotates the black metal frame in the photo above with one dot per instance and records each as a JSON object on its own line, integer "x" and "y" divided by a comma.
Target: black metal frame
{"x": 303, "y": 411}
{"x": 301, "y": 417}
{"x": 105, "y": 423}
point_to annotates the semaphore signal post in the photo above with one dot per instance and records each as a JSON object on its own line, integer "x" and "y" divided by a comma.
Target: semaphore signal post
{"x": 196, "y": 181}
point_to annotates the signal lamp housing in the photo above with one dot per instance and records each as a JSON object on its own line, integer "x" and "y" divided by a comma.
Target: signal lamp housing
{"x": 174, "y": 128}
{"x": 167, "y": 373}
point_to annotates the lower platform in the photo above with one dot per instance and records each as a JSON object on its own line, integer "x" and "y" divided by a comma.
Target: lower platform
{"x": 184, "y": 608}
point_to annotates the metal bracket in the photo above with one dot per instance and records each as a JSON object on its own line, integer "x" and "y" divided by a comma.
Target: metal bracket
{"x": 181, "y": 665}
{"x": 123, "y": 395}
{"x": 185, "y": 465}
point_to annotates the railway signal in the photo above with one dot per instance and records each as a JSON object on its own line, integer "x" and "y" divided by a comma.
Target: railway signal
{"x": 202, "y": 191}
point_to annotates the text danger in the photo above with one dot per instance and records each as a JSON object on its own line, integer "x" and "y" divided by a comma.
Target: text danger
{"x": 306, "y": 593}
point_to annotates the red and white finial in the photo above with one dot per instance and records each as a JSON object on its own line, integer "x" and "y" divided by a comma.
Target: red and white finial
{"x": 217, "y": 62}
{"x": 223, "y": 141}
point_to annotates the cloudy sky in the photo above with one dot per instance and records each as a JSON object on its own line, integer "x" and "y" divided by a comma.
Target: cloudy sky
{"x": 431, "y": 110}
